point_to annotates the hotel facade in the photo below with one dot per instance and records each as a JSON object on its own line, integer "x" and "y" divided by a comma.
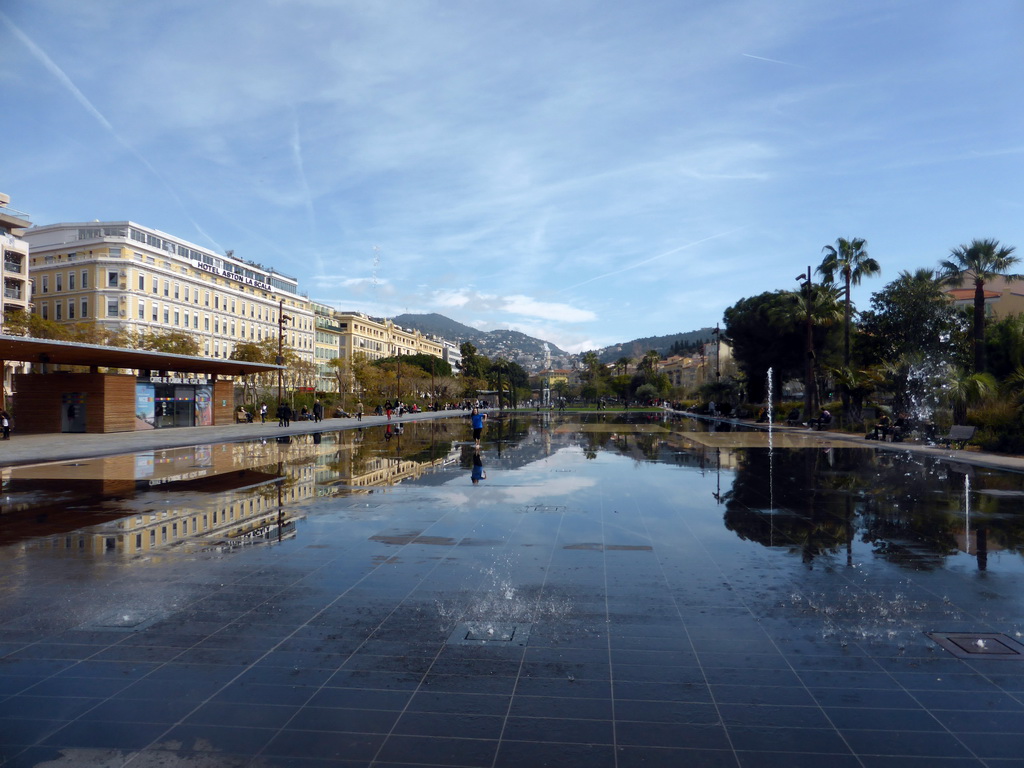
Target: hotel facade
{"x": 124, "y": 276}
{"x": 127, "y": 277}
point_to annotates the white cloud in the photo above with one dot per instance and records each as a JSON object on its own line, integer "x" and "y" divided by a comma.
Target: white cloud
{"x": 524, "y": 305}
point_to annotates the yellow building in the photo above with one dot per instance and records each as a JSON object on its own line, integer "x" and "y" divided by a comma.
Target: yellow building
{"x": 124, "y": 276}
{"x": 1003, "y": 297}
{"x": 378, "y": 338}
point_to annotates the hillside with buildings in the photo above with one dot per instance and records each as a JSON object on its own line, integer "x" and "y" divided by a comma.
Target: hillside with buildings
{"x": 663, "y": 345}
{"x": 517, "y": 347}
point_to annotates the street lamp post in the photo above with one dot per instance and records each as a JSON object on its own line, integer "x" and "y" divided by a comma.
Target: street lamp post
{"x": 281, "y": 317}
{"x": 809, "y": 370}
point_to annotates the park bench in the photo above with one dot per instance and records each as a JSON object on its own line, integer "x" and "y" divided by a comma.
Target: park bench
{"x": 958, "y": 434}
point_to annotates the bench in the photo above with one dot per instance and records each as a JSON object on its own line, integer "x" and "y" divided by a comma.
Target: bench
{"x": 959, "y": 434}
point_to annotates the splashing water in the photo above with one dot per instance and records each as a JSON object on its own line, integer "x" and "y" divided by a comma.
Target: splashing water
{"x": 967, "y": 513}
{"x": 771, "y": 447}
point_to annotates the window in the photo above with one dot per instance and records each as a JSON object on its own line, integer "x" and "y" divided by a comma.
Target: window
{"x": 155, "y": 311}
{"x": 216, "y": 325}
{"x": 206, "y": 323}
{"x": 46, "y": 283}
{"x": 85, "y": 279}
{"x": 167, "y": 316}
{"x": 167, "y": 288}
{"x": 186, "y": 318}
{"x": 156, "y": 285}
{"x": 177, "y": 291}
{"x": 58, "y": 311}
{"x": 45, "y": 311}
{"x": 71, "y": 281}
{"x": 142, "y": 310}
{"x": 85, "y": 308}
{"x": 177, "y": 317}
{"x": 71, "y": 309}
{"x": 216, "y": 301}
{"x": 111, "y": 307}
{"x": 58, "y": 282}
{"x": 111, "y": 278}
{"x": 142, "y": 282}
{"x": 195, "y": 321}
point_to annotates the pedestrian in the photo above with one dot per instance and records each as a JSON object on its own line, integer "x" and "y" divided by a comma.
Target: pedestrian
{"x": 478, "y": 472}
{"x": 477, "y": 419}
{"x": 318, "y": 411}
{"x": 359, "y": 411}
{"x": 263, "y": 413}
{"x": 5, "y": 423}
{"x": 284, "y": 415}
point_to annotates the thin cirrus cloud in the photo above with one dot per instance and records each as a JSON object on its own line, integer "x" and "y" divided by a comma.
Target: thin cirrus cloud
{"x": 586, "y": 172}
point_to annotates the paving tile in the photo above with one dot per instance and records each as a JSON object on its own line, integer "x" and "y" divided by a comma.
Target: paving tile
{"x": 438, "y": 751}
{"x": 515, "y": 754}
{"x": 911, "y": 743}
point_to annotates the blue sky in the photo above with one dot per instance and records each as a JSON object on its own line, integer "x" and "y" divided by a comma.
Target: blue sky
{"x": 585, "y": 172}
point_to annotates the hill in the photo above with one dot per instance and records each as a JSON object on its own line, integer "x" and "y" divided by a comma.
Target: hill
{"x": 637, "y": 348}
{"x": 527, "y": 351}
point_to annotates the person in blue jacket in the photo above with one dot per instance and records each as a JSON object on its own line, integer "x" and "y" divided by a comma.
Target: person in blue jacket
{"x": 478, "y": 424}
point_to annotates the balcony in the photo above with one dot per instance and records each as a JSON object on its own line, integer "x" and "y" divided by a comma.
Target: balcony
{"x": 12, "y": 266}
{"x": 12, "y": 293}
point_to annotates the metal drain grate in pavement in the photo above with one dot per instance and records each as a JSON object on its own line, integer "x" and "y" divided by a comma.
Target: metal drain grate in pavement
{"x": 974, "y": 645}
{"x": 490, "y": 633}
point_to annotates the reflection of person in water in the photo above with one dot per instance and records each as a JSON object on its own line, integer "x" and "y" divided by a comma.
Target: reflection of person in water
{"x": 478, "y": 473}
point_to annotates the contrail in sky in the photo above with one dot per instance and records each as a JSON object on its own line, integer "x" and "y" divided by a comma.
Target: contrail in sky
{"x": 80, "y": 97}
{"x": 300, "y": 169}
{"x": 773, "y": 61}
{"x": 649, "y": 260}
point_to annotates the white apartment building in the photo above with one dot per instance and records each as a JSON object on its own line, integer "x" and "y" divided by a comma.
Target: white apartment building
{"x": 327, "y": 347}
{"x": 17, "y": 293}
{"x": 124, "y": 276}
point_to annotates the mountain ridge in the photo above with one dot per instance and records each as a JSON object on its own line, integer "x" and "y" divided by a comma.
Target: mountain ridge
{"x": 529, "y": 351}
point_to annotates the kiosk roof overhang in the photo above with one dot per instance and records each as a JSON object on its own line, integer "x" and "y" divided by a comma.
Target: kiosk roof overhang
{"x": 52, "y": 352}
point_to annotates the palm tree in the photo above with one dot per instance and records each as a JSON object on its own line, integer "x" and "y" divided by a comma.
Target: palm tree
{"x": 848, "y": 258}
{"x": 964, "y": 389}
{"x": 812, "y": 306}
{"x": 979, "y": 262}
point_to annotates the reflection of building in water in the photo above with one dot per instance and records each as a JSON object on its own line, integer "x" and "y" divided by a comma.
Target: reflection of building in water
{"x": 201, "y": 496}
{"x": 148, "y": 502}
{"x": 345, "y": 465}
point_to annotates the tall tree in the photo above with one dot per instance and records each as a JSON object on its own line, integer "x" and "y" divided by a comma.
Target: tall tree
{"x": 848, "y": 258}
{"x": 911, "y": 315}
{"x": 761, "y": 342}
{"x": 814, "y": 308}
{"x": 978, "y": 262}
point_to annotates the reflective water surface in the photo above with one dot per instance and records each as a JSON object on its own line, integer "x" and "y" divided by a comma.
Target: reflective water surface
{"x": 827, "y": 504}
{"x": 584, "y": 590}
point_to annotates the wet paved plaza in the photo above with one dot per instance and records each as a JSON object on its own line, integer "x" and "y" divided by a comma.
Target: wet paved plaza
{"x": 607, "y": 593}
